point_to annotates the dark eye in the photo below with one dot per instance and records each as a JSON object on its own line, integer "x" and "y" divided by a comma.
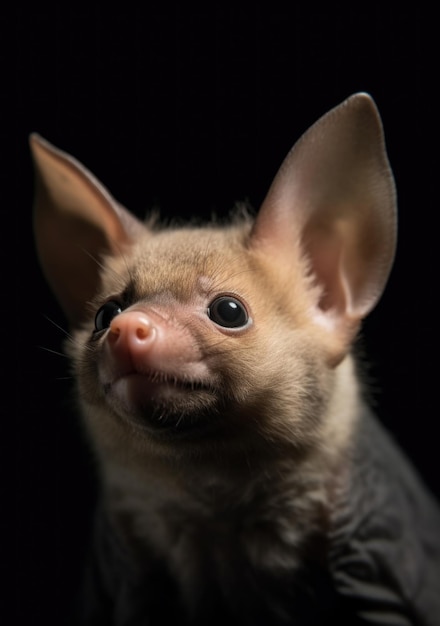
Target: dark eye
{"x": 105, "y": 315}
{"x": 228, "y": 312}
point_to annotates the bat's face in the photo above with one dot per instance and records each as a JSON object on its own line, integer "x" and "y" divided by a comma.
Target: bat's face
{"x": 186, "y": 341}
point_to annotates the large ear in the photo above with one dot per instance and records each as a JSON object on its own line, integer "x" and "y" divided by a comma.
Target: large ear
{"x": 334, "y": 198}
{"x": 76, "y": 220}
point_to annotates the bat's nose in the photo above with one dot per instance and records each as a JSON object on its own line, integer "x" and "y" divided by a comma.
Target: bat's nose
{"x": 149, "y": 345}
{"x": 132, "y": 330}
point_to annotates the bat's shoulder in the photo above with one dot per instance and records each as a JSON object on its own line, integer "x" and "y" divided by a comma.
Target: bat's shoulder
{"x": 385, "y": 539}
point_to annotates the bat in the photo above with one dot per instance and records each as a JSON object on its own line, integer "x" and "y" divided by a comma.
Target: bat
{"x": 243, "y": 477}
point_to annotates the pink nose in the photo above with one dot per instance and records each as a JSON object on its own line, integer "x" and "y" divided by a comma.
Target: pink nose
{"x": 132, "y": 331}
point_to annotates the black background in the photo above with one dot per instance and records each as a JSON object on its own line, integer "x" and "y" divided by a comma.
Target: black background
{"x": 193, "y": 109}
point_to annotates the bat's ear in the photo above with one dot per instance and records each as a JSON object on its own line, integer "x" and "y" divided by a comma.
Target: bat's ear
{"x": 76, "y": 220}
{"x": 333, "y": 202}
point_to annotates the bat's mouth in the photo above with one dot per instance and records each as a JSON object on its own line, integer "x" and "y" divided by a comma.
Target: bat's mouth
{"x": 162, "y": 403}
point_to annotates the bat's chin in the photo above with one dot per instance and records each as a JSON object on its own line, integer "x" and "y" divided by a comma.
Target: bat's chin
{"x": 163, "y": 405}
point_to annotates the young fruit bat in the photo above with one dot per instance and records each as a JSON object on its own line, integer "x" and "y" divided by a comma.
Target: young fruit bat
{"x": 243, "y": 478}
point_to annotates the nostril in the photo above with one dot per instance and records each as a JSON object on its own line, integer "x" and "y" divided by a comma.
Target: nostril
{"x": 142, "y": 332}
{"x": 115, "y": 329}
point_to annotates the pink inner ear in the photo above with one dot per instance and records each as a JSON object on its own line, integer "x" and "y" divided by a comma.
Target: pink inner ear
{"x": 324, "y": 250}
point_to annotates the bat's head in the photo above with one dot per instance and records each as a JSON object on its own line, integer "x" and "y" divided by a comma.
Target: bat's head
{"x": 222, "y": 333}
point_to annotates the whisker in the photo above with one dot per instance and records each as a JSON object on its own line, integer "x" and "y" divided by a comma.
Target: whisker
{"x": 179, "y": 420}
{"x": 105, "y": 267}
{"x": 68, "y": 336}
{"x": 94, "y": 258}
{"x": 63, "y": 330}
{"x": 56, "y": 352}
